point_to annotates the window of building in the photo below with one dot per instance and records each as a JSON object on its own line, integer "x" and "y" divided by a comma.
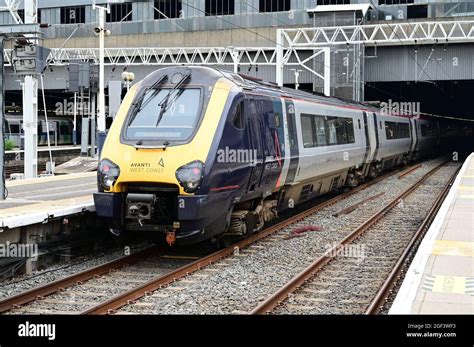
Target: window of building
{"x": 395, "y": 130}
{"x": 274, "y": 5}
{"x": 417, "y": 11}
{"x": 168, "y": 9}
{"x": 219, "y": 7}
{"x": 15, "y": 128}
{"x": 326, "y": 131}
{"x": 333, "y": 2}
{"x": 120, "y": 12}
{"x": 73, "y": 15}
{"x": 21, "y": 14}
{"x": 395, "y": 2}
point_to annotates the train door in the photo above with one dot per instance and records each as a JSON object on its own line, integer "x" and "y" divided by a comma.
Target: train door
{"x": 377, "y": 139}
{"x": 253, "y": 121}
{"x": 293, "y": 141}
{"x": 272, "y": 135}
{"x": 413, "y": 136}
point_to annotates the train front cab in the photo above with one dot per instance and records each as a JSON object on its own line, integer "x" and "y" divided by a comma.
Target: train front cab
{"x": 214, "y": 180}
{"x": 154, "y": 171}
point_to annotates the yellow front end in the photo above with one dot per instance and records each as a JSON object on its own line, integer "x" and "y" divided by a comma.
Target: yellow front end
{"x": 160, "y": 165}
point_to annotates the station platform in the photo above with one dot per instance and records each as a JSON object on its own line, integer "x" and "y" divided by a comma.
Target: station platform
{"x": 32, "y": 201}
{"x": 53, "y": 149}
{"x": 440, "y": 280}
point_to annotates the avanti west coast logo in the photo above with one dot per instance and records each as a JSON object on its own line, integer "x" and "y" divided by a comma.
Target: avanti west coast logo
{"x": 37, "y": 330}
{"x": 230, "y": 155}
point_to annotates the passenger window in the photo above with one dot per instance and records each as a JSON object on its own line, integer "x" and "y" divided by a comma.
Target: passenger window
{"x": 307, "y": 131}
{"x": 332, "y": 128}
{"x": 325, "y": 131}
{"x": 350, "y": 131}
{"x": 238, "y": 118}
{"x": 15, "y": 128}
{"x": 320, "y": 131}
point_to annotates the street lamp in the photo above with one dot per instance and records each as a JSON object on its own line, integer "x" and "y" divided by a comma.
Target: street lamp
{"x": 101, "y": 31}
{"x": 128, "y": 78}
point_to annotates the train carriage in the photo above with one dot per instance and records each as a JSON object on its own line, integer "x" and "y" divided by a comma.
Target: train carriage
{"x": 60, "y": 130}
{"x": 197, "y": 153}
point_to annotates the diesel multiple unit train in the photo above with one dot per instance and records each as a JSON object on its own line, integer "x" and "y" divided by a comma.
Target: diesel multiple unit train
{"x": 197, "y": 153}
{"x": 60, "y": 130}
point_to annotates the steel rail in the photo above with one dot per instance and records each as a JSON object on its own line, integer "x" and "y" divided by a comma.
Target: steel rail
{"x": 386, "y": 289}
{"x": 410, "y": 170}
{"x": 300, "y": 279}
{"x": 16, "y": 301}
{"x": 111, "y": 305}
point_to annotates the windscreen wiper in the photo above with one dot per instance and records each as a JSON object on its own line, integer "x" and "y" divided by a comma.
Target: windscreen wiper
{"x": 140, "y": 105}
{"x": 165, "y": 102}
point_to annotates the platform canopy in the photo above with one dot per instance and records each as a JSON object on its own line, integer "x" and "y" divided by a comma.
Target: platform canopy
{"x": 19, "y": 29}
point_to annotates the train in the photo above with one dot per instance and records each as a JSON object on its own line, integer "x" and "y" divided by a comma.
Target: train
{"x": 60, "y": 130}
{"x": 197, "y": 153}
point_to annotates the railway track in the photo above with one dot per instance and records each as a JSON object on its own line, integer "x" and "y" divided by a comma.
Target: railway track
{"x": 154, "y": 296}
{"x": 335, "y": 284}
{"x": 145, "y": 283}
{"x": 79, "y": 291}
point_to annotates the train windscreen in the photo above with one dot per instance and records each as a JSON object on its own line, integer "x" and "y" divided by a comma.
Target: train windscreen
{"x": 167, "y": 114}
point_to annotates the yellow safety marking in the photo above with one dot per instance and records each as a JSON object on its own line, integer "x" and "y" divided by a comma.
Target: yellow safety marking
{"x": 40, "y": 180}
{"x": 467, "y": 176}
{"x": 42, "y": 207}
{"x": 456, "y": 248}
{"x": 462, "y": 196}
{"x": 449, "y": 284}
{"x": 465, "y": 188}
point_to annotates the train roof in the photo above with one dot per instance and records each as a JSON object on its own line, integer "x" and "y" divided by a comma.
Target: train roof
{"x": 209, "y": 75}
{"x": 269, "y": 87}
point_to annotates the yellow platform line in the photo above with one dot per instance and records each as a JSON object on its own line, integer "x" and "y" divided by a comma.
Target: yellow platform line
{"x": 454, "y": 248}
{"x": 463, "y": 196}
{"x": 448, "y": 284}
{"x": 466, "y": 188}
{"x": 40, "y": 180}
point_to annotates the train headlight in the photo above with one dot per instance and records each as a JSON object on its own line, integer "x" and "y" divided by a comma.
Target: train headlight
{"x": 190, "y": 175}
{"x": 108, "y": 173}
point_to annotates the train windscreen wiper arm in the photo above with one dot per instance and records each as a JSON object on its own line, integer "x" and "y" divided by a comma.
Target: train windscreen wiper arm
{"x": 139, "y": 102}
{"x": 164, "y": 103}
